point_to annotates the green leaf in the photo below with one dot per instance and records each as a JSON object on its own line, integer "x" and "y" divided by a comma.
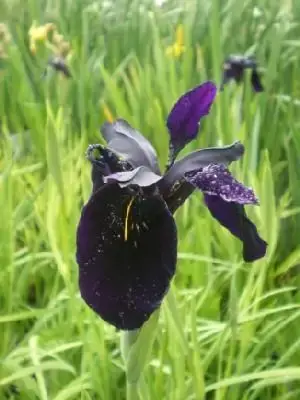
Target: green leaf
{"x": 139, "y": 352}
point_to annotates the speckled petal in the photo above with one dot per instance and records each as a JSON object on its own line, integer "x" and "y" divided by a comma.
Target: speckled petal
{"x": 197, "y": 160}
{"x": 125, "y": 267}
{"x": 215, "y": 179}
{"x": 233, "y": 217}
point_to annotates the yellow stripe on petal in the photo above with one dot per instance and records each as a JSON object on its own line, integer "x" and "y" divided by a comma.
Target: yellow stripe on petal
{"x": 128, "y": 208}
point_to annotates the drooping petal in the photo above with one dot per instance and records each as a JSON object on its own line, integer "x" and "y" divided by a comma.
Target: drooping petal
{"x": 183, "y": 120}
{"x": 197, "y": 160}
{"x": 233, "y": 217}
{"x": 130, "y": 144}
{"x": 140, "y": 176}
{"x": 126, "y": 251}
{"x": 256, "y": 81}
{"x": 215, "y": 179}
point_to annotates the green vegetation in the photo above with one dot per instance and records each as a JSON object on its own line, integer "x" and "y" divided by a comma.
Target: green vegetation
{"x": 227, "y": 330}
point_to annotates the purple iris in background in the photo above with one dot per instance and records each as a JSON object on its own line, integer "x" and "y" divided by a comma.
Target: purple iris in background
{"x": 234, "y": 67}
{"x": 127, "y": 236}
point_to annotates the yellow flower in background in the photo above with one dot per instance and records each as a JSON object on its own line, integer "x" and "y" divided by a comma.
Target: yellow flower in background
{"x": 3, "y": 54}
{"x": 55, "y": 42}
{"x": 59, "y": 45}
{"x": 177, "y": 48}
{"x": 39, "y": 34}
{"x": 5, "y": 39}
{"x": 107, "y": 113}
{"x": 57, "y": 38}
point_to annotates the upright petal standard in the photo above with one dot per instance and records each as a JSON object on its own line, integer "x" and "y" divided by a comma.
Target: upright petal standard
{"x": 127, "y": 237}
{"x": 183, "y": 120}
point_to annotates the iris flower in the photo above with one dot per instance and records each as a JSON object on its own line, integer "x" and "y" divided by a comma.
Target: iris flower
{"x": 59, "y": 64}
{"x": 176, "y": 49}
{"x": 127, "y": 236}
{"x": 39, "y": 34}
{"x": 234, "y": 67}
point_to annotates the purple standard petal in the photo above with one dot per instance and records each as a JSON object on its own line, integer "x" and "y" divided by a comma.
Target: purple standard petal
{"x": 183, "y": 120}
{"x": 233, "y": 217}
{"x": 216, "y": 180}
{"x": 126, "y": 252}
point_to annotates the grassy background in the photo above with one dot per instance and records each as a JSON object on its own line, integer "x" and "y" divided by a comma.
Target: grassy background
{"x": 228, "y": 330}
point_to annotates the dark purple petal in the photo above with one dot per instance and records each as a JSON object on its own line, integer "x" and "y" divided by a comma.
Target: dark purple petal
{"x": 183, "y": 120}
{"x": 232, "y": 71}
{"x": 256, "y": 82}
{"x": 130, "y": 144}
{"x": 124, "y": 277}
{"x": 140, "y": 176}
{"x": 59, "y": 64}
{"x": 234, "y": 67}
{"x": 216, "y": 180}
{"x": 233, "y": 217}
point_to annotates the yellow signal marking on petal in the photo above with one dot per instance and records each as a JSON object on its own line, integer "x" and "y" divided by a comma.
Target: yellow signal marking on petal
{"x": 126, "y": 219}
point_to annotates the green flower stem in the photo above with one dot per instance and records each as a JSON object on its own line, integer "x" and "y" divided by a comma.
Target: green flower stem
{"x": 136, "y": 348}
{"x": 128, "y": 339}
{"x": 132, "y": 391}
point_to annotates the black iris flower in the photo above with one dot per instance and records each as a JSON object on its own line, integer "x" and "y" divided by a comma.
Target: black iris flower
{"x": 59, "y": 65}
{"x": 127, "y": 236}
{"x": 234, "y": 68}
